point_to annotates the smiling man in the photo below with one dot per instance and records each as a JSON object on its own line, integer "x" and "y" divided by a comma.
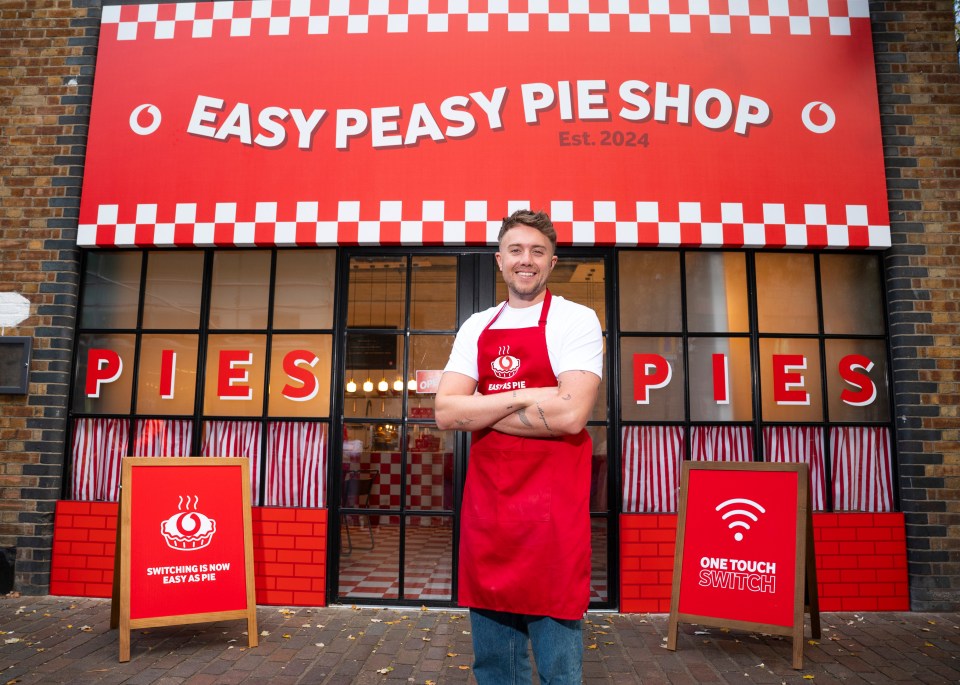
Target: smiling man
{"x": 523, "y": 376}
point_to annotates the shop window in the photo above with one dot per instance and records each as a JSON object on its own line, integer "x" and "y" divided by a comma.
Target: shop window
{"x": 304, "y": 289}
{"x": 235, "y": 439}
{"x": 853, "y": 294}
{"x": 721, "y": 383}
{"x": 296, "y": 464}
{"x": 234, "y": 375}
{"x": 163, "y": 438}
{"x": 103, "y": 381}
{"x": 786, "y": 293}
{"x": 650, "y": 460}
{"x": 428, "y": 355}
{"x": 857, "y": 381}
{"x": 721, "y": 443}
{"x": 173, "y": 289}
{"x": 167, "y": 382}
{"x": 790, "y": 380}
{"x": 798, "y": 445}
{"x": 300, "y": 375}
{"x": 717, "y": 292}
{"x": 652, "y": 379}
{"x": 99, "y": 445}
{"x": 111, "y": 290}
{"x": 650, "y": 291}
{"x": 433, "y": 293}
{"x": 240, "y": 290}
{"x": 861, "y": 470}
{"x": 378, "y": 293}
{"x": 599, "y": 469}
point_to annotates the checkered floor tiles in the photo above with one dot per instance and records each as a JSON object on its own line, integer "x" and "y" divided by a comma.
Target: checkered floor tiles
{"x": 374, "y": 573}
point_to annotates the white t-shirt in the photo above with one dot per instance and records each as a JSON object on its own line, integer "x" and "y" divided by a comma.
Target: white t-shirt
{"x": 574, "y": 336}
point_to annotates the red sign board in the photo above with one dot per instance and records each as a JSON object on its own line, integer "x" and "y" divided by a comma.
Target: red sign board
{"x": 185, "y": 542}
{"x": 304, "y": 122}
{"x": 744, "y": 549}
{"x": 740, "y": 546}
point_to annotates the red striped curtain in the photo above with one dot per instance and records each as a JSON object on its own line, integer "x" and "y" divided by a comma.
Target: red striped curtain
{"x": 721, "y": 443}
{"x": 163, "y": 438}
{"x": 861, "y": 468}
{"x": 235, "y": 439}
{"x": 296, "y": 464}
{"x": 651, "y": 458}
{"x": 799, "y": 445}
{"x": 98, "y": 447}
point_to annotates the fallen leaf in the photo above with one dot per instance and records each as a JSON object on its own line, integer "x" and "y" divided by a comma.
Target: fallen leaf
{"x": 305, "y": 625}
{"x": 927, "y": 644}
{"x": 385, "y": 669}
{"x": 319, "y": 644}
{"x": 425, "y": 639}
{"x": 86, "y": 629}
{"x": 452, "y": 654}
{"x": 812, "y": 642}
{"x": 593, "y": 646}
{"x": 12, "y": 640}
{"x": 286, "y": 636}
{"x": 376, "y": 620}
{"x": 351, "y": 637}
{"x": 464, "y": 668}
{"x": 808, "y": 677}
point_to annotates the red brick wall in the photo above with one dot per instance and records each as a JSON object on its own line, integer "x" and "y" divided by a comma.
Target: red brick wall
{"x": 861, "y": 562}
{"x": 289, "y": 553}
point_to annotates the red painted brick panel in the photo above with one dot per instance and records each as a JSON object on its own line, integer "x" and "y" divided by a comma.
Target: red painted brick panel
{"x": 861, "y": 562}
{"x": 289, "y": 569}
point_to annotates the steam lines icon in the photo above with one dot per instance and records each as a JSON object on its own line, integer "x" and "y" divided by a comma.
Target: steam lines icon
{"x": 738, "y": 516}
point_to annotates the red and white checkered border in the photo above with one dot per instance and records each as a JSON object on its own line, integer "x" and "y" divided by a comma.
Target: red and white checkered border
{"x": 319, "y": 17}
{"x": 436, "y": 222}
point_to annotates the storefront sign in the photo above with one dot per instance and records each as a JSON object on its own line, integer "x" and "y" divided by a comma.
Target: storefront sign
{"x": 744, "y": 553}
{"x": 186, "y": 544}
{"x": 791, "y": 386}
{"x": 656, "y": 122}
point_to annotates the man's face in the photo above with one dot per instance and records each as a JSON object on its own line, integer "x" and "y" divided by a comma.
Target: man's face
{"x": 525, "y": 259}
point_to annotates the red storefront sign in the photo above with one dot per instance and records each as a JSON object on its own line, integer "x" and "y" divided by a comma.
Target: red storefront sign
{"x": 652, "y": 122}
{"x": 744, "y": 549}
{"x": 186, "y": 551}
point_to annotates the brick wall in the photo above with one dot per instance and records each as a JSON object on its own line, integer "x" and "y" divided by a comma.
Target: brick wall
{"x": 919, "y": 83}
{"x": 46, "y": 76}
{"x": 289, "y": 553}
{"x": 861, "y": 562}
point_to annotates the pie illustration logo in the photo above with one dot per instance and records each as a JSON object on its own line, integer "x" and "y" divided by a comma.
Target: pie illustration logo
{"x": 506, "y": 365}
{"x": 188, "y": 529}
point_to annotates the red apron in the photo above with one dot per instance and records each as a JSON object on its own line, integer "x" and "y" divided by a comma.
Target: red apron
{"x": 525, "y": 520}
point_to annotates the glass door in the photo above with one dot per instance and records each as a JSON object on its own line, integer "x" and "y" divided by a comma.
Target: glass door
{"x": 397, "y": 471}
{"x": 399, "y": 478}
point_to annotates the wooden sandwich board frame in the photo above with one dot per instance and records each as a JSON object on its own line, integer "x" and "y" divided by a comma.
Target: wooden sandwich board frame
{"x": 125, "y": 586}
{"x": 805, "y": 576}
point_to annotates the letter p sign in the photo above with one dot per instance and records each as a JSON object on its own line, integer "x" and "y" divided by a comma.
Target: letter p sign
{"x": 650, "y": 371}
{"x": 103, "y": 366}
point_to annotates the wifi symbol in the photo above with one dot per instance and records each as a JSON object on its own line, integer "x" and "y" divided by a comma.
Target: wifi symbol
{"x": 740, "y": 514}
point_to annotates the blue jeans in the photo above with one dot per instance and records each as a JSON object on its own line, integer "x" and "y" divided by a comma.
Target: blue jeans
{"x": 500, "y": 648}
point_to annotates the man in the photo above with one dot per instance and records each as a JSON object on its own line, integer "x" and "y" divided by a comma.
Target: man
{"x": 524, "y": 377}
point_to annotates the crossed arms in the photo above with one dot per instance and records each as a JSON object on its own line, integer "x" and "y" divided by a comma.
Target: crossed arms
{"x": 530, "y": 412}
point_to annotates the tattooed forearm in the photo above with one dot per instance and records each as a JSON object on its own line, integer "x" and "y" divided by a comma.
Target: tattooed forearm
{"x": 543, "y": 417}
{"x": 522, "y": 415}
{"x": 464, "y": 422}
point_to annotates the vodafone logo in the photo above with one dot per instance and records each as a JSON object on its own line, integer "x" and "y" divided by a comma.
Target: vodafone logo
{"x": 506, "y": 365}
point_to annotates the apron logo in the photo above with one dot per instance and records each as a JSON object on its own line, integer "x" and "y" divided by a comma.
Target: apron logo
{"x": 506, "y": 365}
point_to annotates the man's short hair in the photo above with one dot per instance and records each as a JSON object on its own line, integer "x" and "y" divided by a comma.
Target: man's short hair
{"x": 525, "y": 217}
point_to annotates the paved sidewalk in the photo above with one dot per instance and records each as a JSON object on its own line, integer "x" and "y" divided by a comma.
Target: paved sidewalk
{"x": 68, "y": 640}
